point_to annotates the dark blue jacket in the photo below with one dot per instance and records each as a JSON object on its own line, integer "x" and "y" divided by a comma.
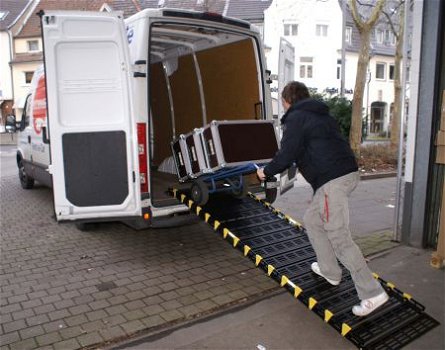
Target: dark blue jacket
{"x": 312, "y": 140}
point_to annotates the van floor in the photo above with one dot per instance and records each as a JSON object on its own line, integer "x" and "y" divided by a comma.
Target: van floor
{"x": 160, "y": 183}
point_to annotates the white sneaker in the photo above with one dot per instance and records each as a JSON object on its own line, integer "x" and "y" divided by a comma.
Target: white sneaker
{"x": 315, "y": 268}
{"x": 367, "y": 306}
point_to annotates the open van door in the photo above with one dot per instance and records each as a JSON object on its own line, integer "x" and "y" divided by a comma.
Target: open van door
{"x": 90, "y": 114}
{"x": 286, "y": 71}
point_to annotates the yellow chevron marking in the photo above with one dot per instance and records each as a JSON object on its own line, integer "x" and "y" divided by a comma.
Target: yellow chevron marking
{"x": 235, "y": 241}
{"x": 375, "y": 275}
{"x": 292, "y": 221}
{"x": 206, "y": 217}
{"x": 246, "y": 250}
{"x": 190, "y": 203}
{"x": 284, "y": 281}
{"x": 258, "y": 259}
{"x": 198, "y": 210}
{"x": 390, "y": 285}
{"x": 312, "y": 303}
{"x": 225, "y": 232}
{"x": 182, "y": 198}
{"x": 267, "y": 204}
{"x": 407, "y": 296}
{"x": 327, "y": 315}
{"x": 297, "y": 291}
{"x": 216, "y": 224}
{"x": 270, "y": 269}
{"x": 345, "y": 329}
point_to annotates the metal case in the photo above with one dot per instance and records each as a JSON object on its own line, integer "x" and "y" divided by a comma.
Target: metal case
{"x": 233, "y": 143}
{"x": 190, "y": 155}
{"x": 181, "y": 157}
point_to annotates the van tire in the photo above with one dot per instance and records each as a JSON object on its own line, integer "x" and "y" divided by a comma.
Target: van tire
{"x": 26, "y": 181}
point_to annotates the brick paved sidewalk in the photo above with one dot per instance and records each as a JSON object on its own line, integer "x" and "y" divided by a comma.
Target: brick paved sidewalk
{"x": 66, "y": 289}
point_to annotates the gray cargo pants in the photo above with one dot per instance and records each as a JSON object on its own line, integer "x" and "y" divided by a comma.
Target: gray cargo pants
{"x": 327, "y": 223}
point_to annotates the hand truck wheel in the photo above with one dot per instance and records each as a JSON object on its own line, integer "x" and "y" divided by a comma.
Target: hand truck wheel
{"x": 200, "y": 192}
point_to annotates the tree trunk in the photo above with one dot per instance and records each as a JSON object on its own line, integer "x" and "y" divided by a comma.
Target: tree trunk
{"x": 355, "y": 134}
{"x": 397, "y": 109}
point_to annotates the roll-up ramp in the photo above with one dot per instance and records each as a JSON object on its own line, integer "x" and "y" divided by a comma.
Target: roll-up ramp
{"x": 279, "y": 246}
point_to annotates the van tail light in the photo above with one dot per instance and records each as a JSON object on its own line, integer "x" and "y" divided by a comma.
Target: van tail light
{"x": 142, "y": 147}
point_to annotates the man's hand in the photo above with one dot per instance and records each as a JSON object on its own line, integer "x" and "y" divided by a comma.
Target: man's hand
{"x": 260, "y": 174}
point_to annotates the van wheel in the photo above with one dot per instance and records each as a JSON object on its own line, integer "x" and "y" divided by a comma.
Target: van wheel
{"x": 26, "y": 181}
{"x": 200, "y": 192}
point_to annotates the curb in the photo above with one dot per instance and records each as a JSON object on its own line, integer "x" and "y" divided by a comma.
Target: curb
{"x": 378, "y": 175}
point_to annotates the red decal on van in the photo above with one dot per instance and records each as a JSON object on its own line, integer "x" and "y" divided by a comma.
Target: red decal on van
{"x": 39, "y": 105}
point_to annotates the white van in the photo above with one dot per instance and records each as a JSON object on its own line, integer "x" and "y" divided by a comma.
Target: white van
{"x": 117, "y": 94}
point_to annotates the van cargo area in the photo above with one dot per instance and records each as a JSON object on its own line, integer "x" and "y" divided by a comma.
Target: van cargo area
{"x": 196, "y": 75}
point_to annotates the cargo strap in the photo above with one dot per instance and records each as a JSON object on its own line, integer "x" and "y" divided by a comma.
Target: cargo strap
{"x": 279, "y": 246}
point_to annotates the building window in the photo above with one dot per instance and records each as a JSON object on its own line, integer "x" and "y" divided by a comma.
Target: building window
{"x": 33, "y": 45}
{"x": 290, "y": 29}
{"x": 379, "y": 34}
{"x": 380, "y": 69}
{"x": 339, "y": 69}
{"x": 391, "y": 71}
{"x": 321, "y": 30}
{"x": 28, "y": 77}
{"x": 3, "y": 15}
{"x": 306, "y": 69}
{"x": 348, "y": 35}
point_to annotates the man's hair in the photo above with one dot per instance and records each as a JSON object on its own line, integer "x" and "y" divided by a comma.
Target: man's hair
{"x": 294, "y": 92}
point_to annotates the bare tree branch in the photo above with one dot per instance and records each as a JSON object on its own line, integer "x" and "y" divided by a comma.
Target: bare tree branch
{"x": 389, "y": 17}
{"x": 375, "y": 13}
{"x": 373, "y": 17}
{"x": 355, "y": 16}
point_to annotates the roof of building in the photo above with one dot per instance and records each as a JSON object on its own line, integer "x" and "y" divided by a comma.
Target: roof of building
{"x": 244, "y": 9}
{"x": 386, "y": 48}
{"x": 32, "y": 26}
{"x": 249, "y": 10}
{"x": 13, "y": 9}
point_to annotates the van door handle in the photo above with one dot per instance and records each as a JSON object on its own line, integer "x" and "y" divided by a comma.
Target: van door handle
{"x": 29, "y": 139}
{"x": 45, "y": 138}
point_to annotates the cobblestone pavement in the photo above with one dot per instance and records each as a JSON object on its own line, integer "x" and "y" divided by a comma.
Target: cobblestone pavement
{"x": 66, "y": 289}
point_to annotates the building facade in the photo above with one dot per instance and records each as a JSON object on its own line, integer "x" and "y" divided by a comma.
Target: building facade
{"x": 315, "y": 28}
{"x": 13, "y": 14}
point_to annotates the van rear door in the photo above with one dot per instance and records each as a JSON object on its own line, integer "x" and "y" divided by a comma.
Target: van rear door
{"x": 286, "y": 69}
{"x": 90, "y": 115}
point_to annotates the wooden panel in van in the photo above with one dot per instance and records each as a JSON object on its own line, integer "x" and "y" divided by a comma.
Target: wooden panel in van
{"x": 186, "y": 98}
{"x": 230, "y": 81}
{"x": 160, "y": 108}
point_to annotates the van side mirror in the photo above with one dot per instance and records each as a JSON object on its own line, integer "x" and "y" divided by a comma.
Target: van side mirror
{"x": 10, "y": 125}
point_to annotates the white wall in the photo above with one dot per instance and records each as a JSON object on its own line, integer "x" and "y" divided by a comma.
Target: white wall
{"x": 5, "y": 72}
{"x": 324, "y": 50}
